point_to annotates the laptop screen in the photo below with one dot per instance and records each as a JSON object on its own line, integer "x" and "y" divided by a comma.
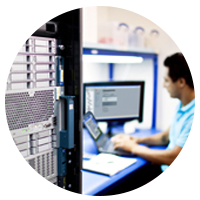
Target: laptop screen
{"x": 92, "y": 127}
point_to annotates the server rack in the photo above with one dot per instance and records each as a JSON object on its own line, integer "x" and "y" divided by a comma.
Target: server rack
{"x": 43, "y": 101}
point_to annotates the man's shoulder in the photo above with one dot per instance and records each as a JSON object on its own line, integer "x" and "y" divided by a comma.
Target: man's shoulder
{"x": 192, "y": 105}
{"x": 190, "y": 113}
{"x": 191, "y": 120}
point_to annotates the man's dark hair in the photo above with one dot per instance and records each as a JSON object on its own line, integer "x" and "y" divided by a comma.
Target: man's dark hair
{"x": 178, "y": 68}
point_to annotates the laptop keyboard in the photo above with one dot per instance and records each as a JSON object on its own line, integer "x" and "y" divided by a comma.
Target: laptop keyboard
{"x": 109, "y": 146}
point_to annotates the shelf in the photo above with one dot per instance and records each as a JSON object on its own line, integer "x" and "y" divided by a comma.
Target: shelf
{"x": 101, "y": 46}
{"x": 111, "y": 50}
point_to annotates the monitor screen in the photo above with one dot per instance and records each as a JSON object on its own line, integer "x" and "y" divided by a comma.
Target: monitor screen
{"x": 114, "y": 101}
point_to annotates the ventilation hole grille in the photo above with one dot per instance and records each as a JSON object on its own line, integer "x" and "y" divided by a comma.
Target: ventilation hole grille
{"x": 48, "y": 163}
{"x": 52, "y": 164}
{"x": 21, "y": 174}
{"x": 43, "y": 166}
{"x": 38, "y": 164}
{"x": 22, "y": 109}
{"x": 32, "y": 163}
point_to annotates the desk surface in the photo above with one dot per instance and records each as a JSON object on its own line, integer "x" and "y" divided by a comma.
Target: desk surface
{"x": 94, "y": 183}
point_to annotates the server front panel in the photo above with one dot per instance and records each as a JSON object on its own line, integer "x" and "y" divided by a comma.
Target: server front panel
{"x": 29, "y": 103}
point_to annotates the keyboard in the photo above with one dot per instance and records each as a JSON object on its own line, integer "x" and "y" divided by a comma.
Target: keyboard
{"x": 109, "y": 146}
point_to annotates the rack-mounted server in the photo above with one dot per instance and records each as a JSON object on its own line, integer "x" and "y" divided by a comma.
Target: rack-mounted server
{"x": 43, "y": 101}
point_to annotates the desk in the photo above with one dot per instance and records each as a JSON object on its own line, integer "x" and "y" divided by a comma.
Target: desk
{"x": 98, "y": 184}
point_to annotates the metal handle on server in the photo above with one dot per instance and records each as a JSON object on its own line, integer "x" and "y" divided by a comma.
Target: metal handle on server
{"x": 59, "y": 62}
{"x": 67, "y": 136}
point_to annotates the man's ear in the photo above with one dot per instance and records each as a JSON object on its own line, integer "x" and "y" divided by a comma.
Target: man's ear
{"x": 182, "y": 82}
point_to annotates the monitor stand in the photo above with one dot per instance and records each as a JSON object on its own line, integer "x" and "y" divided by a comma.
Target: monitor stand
{"x": 115, "y": 128}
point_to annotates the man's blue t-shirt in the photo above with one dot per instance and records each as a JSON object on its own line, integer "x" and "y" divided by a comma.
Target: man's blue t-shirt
{"x": 183, "y": 134}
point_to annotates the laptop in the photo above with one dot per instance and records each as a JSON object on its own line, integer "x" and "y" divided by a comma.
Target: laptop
{"x": 102, "y": 141}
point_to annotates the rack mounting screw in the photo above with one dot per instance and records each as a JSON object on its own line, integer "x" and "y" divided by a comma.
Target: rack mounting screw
{"x": 61, "y": 46}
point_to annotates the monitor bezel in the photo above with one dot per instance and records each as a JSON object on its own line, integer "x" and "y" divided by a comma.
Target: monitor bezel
{"x": 121, "y": 83}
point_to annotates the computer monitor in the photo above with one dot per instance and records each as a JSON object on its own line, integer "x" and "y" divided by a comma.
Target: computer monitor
{"x": 114, "y": 101}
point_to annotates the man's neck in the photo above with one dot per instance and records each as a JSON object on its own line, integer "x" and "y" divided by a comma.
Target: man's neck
{"x": 188, "y": 97}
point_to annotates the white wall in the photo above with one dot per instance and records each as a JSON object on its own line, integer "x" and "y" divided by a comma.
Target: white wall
{"x": 95, "y": 72}
{"x": 90, "y": 24}
{"x": 177, "y": 26}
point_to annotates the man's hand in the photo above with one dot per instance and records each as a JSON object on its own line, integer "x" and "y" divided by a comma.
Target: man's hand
{"x": 173, "y": 157}
{"x": 126, "y": 142}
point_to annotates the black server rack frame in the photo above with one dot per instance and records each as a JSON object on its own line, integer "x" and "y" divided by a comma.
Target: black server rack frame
{"x": 65, "y": 29}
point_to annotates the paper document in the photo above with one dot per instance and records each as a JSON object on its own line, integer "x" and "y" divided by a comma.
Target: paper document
{"x": 108, "y": 164}
{"x": 88, "y": 155}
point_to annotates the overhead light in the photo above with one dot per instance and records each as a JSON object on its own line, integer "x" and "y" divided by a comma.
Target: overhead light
{"x": 111, "y": 59}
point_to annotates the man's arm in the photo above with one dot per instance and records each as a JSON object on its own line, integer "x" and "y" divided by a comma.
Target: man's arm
{"x": 157, "y": 139}
{"x": 157, "y": 156}
{"x": 173, "y": 157}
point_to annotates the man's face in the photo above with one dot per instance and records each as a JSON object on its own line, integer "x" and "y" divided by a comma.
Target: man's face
{"x": 172, "y": 87}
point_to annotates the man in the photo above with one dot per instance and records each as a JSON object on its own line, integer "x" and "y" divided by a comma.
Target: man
{"x": 179, "y": 84}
